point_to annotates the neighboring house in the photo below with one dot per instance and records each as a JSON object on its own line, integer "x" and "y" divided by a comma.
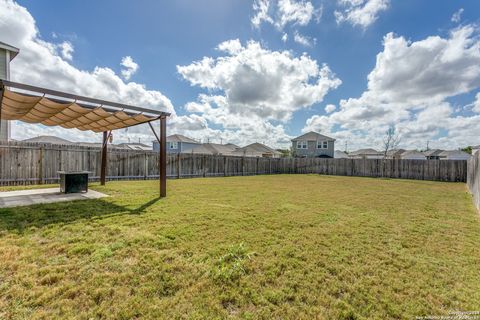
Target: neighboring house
{"x": 215, "y": 149}
{"x": 340, "y": 155}
{"x": 177, "y": 143}
{"x": 7, "y": 53}
{"x": 475, "y": 149}
{"x": 257, "y": 150}
{"x": 395, "y": 153}
{"x": 366, "y": 154}
{"x": 313, "y": 145}
{"x": 432, "y": 154}
{"x": 454, "y": 155}
{"x": 413, "y": 155}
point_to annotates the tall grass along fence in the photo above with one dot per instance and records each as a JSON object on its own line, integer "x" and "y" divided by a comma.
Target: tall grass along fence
{"x": 28, "y": 163}
{"x": 473, "y": 178}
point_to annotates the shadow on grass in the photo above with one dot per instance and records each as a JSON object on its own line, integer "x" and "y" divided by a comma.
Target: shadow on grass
{"x": 41, "y": 215}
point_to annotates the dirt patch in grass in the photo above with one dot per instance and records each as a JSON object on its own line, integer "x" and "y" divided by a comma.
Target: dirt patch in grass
{"x": 287, "y": 246}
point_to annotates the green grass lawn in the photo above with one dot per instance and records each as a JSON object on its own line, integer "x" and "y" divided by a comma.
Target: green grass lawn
{"x": 284, "y": 247}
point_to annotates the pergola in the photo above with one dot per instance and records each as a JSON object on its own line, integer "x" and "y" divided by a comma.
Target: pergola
{"x": 54, "y": 108}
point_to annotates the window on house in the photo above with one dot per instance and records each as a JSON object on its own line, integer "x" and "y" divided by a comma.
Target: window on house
{"x": 322, "y": 144}
{"x": 301, "y": 144}
{"x": 173, "y": 145}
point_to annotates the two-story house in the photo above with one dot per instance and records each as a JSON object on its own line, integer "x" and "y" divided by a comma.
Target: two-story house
{"x": 313, "y": 145}
{"x": 177, "y": 143}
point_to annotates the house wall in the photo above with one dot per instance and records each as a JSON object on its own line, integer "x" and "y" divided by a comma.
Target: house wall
{"x": 182, "y": 147}
{"x": 187, "y": 147}
{"x": 4, "y": 61}
{"x": 312, "y": 151}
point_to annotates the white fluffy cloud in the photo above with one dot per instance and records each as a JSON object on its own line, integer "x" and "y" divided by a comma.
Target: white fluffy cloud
{"x": 251, "y": 88}
{"x": 303, "y": 40}
{"x": 66, "y": 50}
{"x": 283, "y": 13}
{"x": 130, "y": 67}
{"x": 329, "y": 108}
{"x": 360, "y": 12}
{"x": 476, "y": 104}
{"x": 457, "y": 16}
{"x": 270, "y": 84}
{"x": 408, "y": 88}
{"x": 47, "y": 64}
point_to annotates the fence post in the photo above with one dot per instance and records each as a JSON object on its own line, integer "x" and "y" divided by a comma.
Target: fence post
{"x": 225, "y": 166}
{"x": 145, "y": 167}
{"x": 204, "y": 166}
{"x": 178, "y": 166}
{"x": 41, "y": 164}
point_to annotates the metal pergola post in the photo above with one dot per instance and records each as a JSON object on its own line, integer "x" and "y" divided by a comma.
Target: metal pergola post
{"x": 163, "y": 156}
{"x": 103, "y": 166}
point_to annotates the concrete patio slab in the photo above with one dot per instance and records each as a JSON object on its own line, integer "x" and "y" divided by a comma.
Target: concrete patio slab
{"x": 37, "y": 196}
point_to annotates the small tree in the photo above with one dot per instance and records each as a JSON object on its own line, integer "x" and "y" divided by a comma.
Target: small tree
{"x": 390, "y": 141}
{"x": 467, "y": 149}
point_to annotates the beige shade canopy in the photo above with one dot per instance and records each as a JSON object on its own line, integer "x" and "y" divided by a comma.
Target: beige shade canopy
{"x": 69, "y": 114}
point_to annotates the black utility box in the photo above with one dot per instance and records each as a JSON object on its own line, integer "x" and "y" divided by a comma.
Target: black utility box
{"x": 73, "y": 182}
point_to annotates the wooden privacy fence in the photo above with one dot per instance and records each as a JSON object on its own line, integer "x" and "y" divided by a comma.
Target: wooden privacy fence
{"x": 28, "y": 163}
{"x": 473, "y": 178}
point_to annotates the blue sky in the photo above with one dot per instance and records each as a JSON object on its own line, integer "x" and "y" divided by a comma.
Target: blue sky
{"x": 159, "y": 36}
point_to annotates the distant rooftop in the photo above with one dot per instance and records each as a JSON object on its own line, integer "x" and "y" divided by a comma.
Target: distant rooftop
{"x": 48, "y": 139}
{"x": 364, "y": 151}
{"x": 312, "y": 136}
{"x": 180, "y": 138}
{"x": 14, "y": 51}
{"x": 256, "y": 148}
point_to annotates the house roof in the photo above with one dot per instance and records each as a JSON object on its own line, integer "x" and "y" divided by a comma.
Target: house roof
{"x": 364, "y": 151}
{"x": 180, "y": 138}
{"x": 313, "y": 136}
{"x": 410, "y": 153}
{"x": 214, "y": 148}
{"x": 450, "y": 153}
{"x": 395, "y": 152}
{"x": 256, "y": 148}
{"x": 433, "y": 152}
{"x": 48, "y": 139}
{"x": 14, "y": 51}
{"x": 134, "y": 146}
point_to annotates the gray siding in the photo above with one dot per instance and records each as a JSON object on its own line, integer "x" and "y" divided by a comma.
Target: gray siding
{"x": 3, "y": 64}
{"x": 3, "y": 75}
{"x": 312, "y": 151}
{"x": 183, "y": 147}
{"x": 187, "y": 147}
